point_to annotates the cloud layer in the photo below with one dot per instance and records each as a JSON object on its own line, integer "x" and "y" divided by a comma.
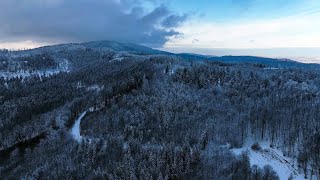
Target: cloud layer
{"x": 87, "y": 20}
{"x": 300, "y": 30}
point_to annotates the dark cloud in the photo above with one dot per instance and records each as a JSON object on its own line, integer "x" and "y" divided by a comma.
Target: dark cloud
{"x": 173, "y": 20}
{"x": 86, "y": 20}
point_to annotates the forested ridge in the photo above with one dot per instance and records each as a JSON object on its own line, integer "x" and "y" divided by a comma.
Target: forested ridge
{"x": 153, "y": 116}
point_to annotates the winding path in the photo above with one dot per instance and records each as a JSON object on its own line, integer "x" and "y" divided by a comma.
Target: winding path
{"x": 75, "y": 131}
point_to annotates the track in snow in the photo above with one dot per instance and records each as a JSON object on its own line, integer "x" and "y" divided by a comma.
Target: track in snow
{"x": 75, "y": 131}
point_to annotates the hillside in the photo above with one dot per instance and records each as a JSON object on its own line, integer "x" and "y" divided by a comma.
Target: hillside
{"x": 107, "y": 110}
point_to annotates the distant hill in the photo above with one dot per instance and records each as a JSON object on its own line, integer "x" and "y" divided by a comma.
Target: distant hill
{"x": 144, "y": 50}
{"x": 117, "y": 46}
{"x": 271, "y": 62}
{"x": 194, "y": 56}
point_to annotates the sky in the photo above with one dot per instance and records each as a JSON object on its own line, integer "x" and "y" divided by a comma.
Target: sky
{"x": 275, "y": 28}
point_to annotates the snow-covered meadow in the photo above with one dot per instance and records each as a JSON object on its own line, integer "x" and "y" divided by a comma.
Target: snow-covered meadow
{"x": 286, "y": 167}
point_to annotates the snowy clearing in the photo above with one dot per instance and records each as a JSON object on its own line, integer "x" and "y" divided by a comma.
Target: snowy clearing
{"x": 269, "y": 156}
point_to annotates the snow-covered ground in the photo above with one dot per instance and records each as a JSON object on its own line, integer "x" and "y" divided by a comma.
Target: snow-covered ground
{"x": 272, "y": 68}
{"x": 75, "y": 130}
{"x": 64, "y": 66}
{"x": 95, "y": 87}
{"x": 284, "y": 166}
{"x": 24, "y": 74}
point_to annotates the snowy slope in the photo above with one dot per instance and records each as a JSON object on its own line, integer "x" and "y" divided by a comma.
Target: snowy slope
{"x": 268, "y": 156}
{"x": 64, "y": 66}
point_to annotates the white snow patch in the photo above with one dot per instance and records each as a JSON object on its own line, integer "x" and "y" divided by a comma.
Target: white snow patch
{"x": 272, "y": 68}
{"x": 95, "y": 87}
{"x": 118, "y": 59}
{"x": 75, "y": 131}
{"x": 269, "y": 156}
